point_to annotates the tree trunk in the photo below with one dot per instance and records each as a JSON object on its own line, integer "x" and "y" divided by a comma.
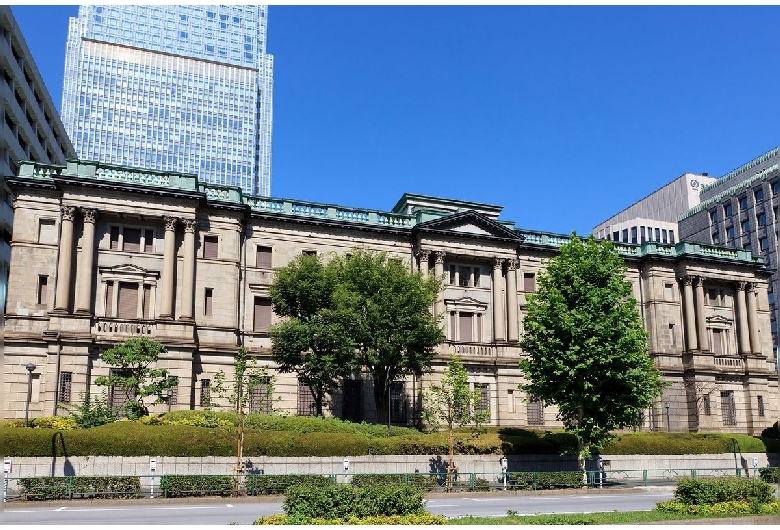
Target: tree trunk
{"x": 380, "y": 399}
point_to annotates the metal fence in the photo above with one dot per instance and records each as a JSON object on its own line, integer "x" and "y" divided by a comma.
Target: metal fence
{"x": 166, "y": 486}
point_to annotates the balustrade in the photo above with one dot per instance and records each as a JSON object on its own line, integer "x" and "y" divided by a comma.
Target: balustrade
{"x": 123, "y": 327}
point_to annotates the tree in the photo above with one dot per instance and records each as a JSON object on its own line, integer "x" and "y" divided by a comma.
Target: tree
{"x": 314, "y": 340}
{"x": 389, "y": 315}
{"x": 454, "y": 404}
{"x": 134, "y": 376}
{"x": 586, "y": 346}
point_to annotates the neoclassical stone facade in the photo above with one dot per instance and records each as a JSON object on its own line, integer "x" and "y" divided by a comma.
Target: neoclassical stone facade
{"x": 101, "y": 253}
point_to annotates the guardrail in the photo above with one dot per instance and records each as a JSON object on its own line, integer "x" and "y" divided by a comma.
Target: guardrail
{"x": 151, "y": 486}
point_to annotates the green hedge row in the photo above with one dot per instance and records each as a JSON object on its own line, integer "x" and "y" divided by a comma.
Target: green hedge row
{"x": 55, "y": 488}
{"x": 716, "y": 490}
{"x": 345, "y": 501}
{"x": 415, "y": 518}
{"x": 720, "y": 509}
{"x": 532, "y": 480}
{"x": 225, "y": 485}
{"x": 768, "y": 474}
{"x": 424, "y": 482}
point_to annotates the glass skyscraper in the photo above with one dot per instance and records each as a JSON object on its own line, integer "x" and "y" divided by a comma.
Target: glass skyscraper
{"x": 173, "y": 88}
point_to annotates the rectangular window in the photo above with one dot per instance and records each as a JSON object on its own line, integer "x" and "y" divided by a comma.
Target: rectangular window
{"x": 262, "y": 315}
{"x": 707, "y": 405}
{"x": 633, "y": 235}
{"x": 672, "y": 338}
{"x": 114, "y": 238}
{"x": 148, "y": 242}
{"x": 615, "y": 236}
{"x": 714, "y": 217}
{"x": 775, "y": 187}
{"x": 715, "y": 238}
{"x": 309, "y": 252}
{"x": 109, "y": 299}
{"x": 761, "y": 218}
{"x": 132, "y": 240}
{"x": 466, "y": 322}
{"x": 205, "y": 392}
{"x": 210, "y": 247}
{"x": 260, "y": 397}
{"x": 717, "y": 342}
{"x": 727, "y": 209}
{"x": 43, "y": 290}
{"x": 535, "y": 413}
{"x": 64, "y": 392}
{"x": 759, "y": 195}
{"x": 669, "y": 292}
{"x": 763, "y": 243}
{"x": 664, "y": 237}
{"x": 728, "y": 408}
{"x": 47, "y": 233}
{"x": 452, "y": 274}
{"x": 730, "y": 233}
{"x": 658, "y": 234}
{"x": 671, "y": 237}
{"x": 464, "y": 274}
{"x": 625, "y": 235}
{"x": 642, "y": 235}
{"x": 173, "y": 395}
{"x": 476, "y": 277}
{"x": 116, "y": 395}
{"x": 761, "y": 406}
{"x": 745, "y": 227}
{"x": 397, "y": 402}
{"x": 529, "y": 282}
{"x": 305, "y": 401}
{"x": 208, "y": 299}
{"x": 128, "y": 300}
{"x": 484, "y": 396}
{"x": 743, "y": 204}
{"x": 263, "y": 257}
{"x": 147, "y": 302}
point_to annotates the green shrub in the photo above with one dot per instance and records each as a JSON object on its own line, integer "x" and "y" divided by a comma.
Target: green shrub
{"x": 196, "y": 485}
{"x": 54, "y": 488}
{"x": 773, "y": 432}
{"x": 278, "y": 484}
{"x": 93, "y": 411}
{"x": 424, "y": 482}
{"x": 718, "y": 490}
{"x": 768, "y": 474}
{"x": 545, "y": 480}
{"x": 720, "y": 509}
{"x": 411, "y": 519}
{"x": 344, "y": 501}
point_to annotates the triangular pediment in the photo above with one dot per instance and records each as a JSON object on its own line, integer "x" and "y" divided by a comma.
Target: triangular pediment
{"x": 464, "y": 303}
{"x": 128, "y": 270}
{"x": 719, "y": 319}
{"x": 469, "y": 223}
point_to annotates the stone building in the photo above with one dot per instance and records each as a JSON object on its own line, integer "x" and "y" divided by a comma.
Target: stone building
{"x": 101, "y": 253}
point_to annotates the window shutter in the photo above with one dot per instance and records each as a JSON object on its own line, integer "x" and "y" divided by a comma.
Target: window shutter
{"x": 132, "y": 240}
{"x": 210, "y": 247}
{"x": 529, "y": 282}
{"x": 128, "y": 300}
{"x": 263, "y": 257}
{"x": 717, "y": 344}
{"x": 466, "y": 327}
{"x": 43, "y": 282}
{"x": 109, "y": 299}
{"x": 209, "y": 297}
{"x": 147, "y": 302}
{"x": 262, "y": 316}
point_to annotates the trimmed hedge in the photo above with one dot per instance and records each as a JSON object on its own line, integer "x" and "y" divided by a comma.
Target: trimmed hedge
{"x": 55, "y": 488}
{"x": 768, "y": 474}
{"x": 174, "y": 486}
{"x": 344, "y": 501}
{"x": 545, "y": 480}
{"x": 425, "y": 482}
{"x": 720, "y": 509}
{"x": 725, "y": 489}
{"x": 415, "y": 518}
{"x": 278, "y": 484}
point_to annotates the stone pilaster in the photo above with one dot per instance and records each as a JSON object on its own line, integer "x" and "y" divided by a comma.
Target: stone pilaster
{"x": 690, "y": 315}
{"x": 701, "y": 316}
{"x": 513, "y": 329}
{"x": 499, "y": 321}
{"x": 188, "y": 272}
{"x": 65, "y": 263}
{"x": 84, "y": 270}
{"x": 755, "y": 341}
{"x": 439, "y": 271}
{"x": 169, "y": 264}
{"x": 743, "y": 337}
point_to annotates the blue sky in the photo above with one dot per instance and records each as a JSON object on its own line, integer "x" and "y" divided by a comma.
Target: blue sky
{"x": 563, "y": 115}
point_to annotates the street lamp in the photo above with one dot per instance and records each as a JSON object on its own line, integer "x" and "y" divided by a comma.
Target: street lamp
{"x": 30, "y": 367}
{"x": 503, "y": 469}
{"x": 668, "y": 420}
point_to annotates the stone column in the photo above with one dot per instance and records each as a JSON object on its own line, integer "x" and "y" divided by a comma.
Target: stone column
{"x": 423, "y": 256}
{"x": 755, "y": 344}
{"x": 84, "y": 270}
{"x": 513, "y": 331}
{"x": 690, "y": 315}
{"x": 188, "y": 272}
{"x": 65, "y": 264}
{"x": 169, "y": 264}
{"x": 439, "y": 271}
{"x": 743, "y": 337}
{"x": 701, "y": 319}
{"x": 499, "y": 328}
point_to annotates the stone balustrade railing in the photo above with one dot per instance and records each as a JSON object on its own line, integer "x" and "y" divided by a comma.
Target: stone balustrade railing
{"x": 113, "y": 327}
{"x": 471, "y": 349}
{"x": 729, "y": 362}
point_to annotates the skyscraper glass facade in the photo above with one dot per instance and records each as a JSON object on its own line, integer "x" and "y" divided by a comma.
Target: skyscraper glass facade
{"x": 173, "y": 88}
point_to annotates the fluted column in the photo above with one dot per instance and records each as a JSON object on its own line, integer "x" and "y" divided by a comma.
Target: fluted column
{"x": 742, "y": 323}
{"x": 188, "y": 272}
{"x": 423, "y": 256}
{"x": 499, "y": 328}
{"x": 755, "y": 345}
{"x": 65, "y": 263}
{"x": 513, "y": 331}
{"x": 690, "y": 315}
{"x": 169, "y": 263}
{"x": 84, "y": 270}
{"x": 701, "y": 322}
{"x": 439, "y": 271}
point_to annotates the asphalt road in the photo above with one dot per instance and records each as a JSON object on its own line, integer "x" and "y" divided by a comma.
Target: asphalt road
{"x": 245, "y": 511}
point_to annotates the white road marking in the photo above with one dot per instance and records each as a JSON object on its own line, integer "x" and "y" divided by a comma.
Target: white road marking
{"x": 60, "y": 509}
{"x": 229, "y": 505}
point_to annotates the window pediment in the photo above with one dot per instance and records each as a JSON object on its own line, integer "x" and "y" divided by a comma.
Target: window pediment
{"x": 129, "y": 273}
{"x": 466, "y": 304}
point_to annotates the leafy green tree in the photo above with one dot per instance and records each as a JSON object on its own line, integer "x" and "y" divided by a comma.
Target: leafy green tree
{"x": 92, "y": 412}
{"x": 586, "y": 346}
{"x": 389, "y": 316}
{"x": 133, "y": 374}
{"x": 453, "y": 403}
{"x": 314, "y": 340}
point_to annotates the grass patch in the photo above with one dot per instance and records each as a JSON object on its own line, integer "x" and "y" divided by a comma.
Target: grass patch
{"x": 578, "y": 519}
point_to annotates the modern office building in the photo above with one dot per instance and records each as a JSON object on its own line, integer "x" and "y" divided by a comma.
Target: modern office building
{"x": 654, "y": 218}
{"x": 739, "y": 210}
{"x": 31, "y": 128}
{"x": 173, "y": 88}
{"x": 111, "y": 252}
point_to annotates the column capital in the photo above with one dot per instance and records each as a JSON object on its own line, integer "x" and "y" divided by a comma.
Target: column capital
{"x": 698, "y": 281}
{"x": 511, "y": 264}
{"x": 423, "y": 254}
{"x": 90, "y": 214}
{"x": 750, "y": 286}
{"x": 68, "y": 213}
{"x": 687, "y": 280}
{"x": 170, "y": 223}
{"x": 189, "y": 225}
{"x": 742, "y": 286}
{"x": 498, "y": 262}
{"x": 439, "y": 255}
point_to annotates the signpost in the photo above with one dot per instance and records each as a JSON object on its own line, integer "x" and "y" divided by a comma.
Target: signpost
{"x": 152, "y": 468}
{"x": 6, "y": 471}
